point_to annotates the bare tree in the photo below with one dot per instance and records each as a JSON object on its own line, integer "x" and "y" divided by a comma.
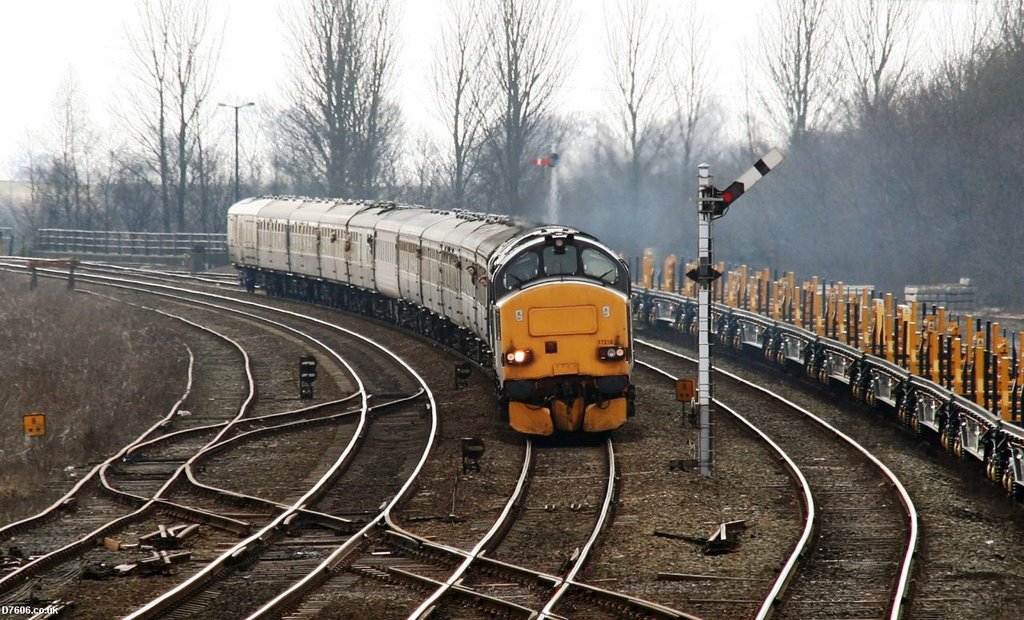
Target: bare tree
{"x": 456, "y": 90}
{"x": 753, "y": 127}
{"x": 339, "y": 130}
{"x": 877, "y": 36}
{"x": 149, "y": 122}
{"x": 176, "y": 59}
{"x": 210, "y": 183}
{"x": 801, "y": 63}
{"x": 1010, "y": 18}
{"x": 690, "y": 87}
{"x": 965, "y": 44}
{"x": 133, "y": 206}
{"x": 423, "y": 181}
{"x": 64, "y": 174}
{"x": 193, "y": 64}
{"x": 637, "y": 40}
{"x": 525, "y": 64}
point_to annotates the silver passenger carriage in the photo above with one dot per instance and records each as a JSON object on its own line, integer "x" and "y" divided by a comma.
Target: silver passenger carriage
{"x": 437, "y": 260}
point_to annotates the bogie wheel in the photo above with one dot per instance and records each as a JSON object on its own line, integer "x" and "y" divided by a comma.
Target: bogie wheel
{"x": 1012, "y": 488}
{"x": 958, "y": 447}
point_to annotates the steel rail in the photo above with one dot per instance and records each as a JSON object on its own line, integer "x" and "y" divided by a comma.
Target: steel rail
{"x": 906, "y": 564}
{"x": 208, "y": 572}
{"x": 321, "y": 572}
{"x": 807, "y": 535}
{"x": 21, "y": 573}
{"x": 183, "y": 589}
{"x": 636, "y": 602}
{"x": 485, "y": 543}
{"x": 602, "y": 521}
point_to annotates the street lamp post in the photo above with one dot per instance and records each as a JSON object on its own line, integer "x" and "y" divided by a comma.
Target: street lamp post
{"x": 236, "y": 108}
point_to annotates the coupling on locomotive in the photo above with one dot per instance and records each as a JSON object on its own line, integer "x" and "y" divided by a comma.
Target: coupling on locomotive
{"x": 547, "y": 307}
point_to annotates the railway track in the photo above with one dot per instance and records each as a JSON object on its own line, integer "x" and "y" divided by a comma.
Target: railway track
{"x": 61, "y": 536}
{"x": 373, "y": 567}
{"x": 346, "y": 490}
{"x": 154, "y": 460}
{"x": 543, "y": 588}
{"x": 400, "y": 564}
{"x": 971, "y": 533}
{"x": 858, "y": 562}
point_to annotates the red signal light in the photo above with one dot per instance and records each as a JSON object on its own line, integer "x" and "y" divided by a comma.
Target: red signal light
{"x": 725, "y": 197}
{"x": 731, "y": 193}
{"x": 612, "y": 354}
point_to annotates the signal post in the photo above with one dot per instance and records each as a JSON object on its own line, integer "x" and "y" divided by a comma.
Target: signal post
{"x": 712, "y": 203}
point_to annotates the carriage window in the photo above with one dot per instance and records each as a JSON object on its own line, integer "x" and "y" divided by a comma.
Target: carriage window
{"x": 599, "y": 265}
{"x": 522, "y": 269}
{"x": 563, "y": 264}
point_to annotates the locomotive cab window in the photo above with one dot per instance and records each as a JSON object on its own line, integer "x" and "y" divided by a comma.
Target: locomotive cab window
{"x": 523, "y": 269}
{"x": 574, "y": 259}
{"x": 560, "y": 261}
{"x": 598, "y": 265}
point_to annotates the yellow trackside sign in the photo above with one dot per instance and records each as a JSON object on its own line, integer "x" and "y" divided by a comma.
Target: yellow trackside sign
{"x": 35, "y": 424}
{"x": 684, "y": 390}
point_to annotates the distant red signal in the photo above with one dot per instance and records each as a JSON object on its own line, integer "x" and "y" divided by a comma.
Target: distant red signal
{"x": 548, "y": 162}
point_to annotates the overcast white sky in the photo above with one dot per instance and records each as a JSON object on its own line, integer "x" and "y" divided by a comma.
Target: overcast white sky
{"x": 43, "y": 41}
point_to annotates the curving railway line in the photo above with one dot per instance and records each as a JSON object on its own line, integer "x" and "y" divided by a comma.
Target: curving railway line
{"x": 357, "y": 504}
{"x": 150, "y": 460}
{"x": 858, "y": 561}
{"x": 270, "y": 515}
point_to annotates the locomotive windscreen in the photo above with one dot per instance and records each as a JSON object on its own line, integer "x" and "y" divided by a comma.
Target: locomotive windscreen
{"x": 576, "y": 258}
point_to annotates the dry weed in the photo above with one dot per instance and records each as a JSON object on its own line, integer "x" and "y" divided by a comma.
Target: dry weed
{"x": 100, "y": 371}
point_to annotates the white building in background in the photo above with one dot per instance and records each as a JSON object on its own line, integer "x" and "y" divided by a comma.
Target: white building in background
{"x": 955, "y": 297}
{"x": 14, "y": 192}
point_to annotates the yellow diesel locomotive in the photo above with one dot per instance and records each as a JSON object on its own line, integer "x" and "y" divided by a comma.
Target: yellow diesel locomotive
{"x": 547, "y": 307}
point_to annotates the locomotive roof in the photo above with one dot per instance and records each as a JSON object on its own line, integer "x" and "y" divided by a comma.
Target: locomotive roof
{"x": 248, "y": 206}
{"x": 481, "y": 233}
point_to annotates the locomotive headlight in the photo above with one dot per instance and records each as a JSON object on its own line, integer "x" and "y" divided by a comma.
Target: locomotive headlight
{"x": 612, "y": 354}
{"x": 518, "y": 357}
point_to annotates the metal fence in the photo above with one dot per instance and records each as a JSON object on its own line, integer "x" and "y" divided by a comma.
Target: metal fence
{"x": 119, "y": 243}
{"x": 6, "y": 240}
